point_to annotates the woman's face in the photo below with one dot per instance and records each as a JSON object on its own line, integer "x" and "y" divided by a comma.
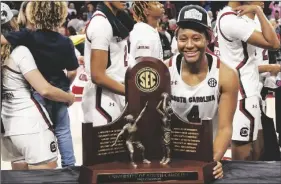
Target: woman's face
{"x": 156, "y": 10}
{"x": 71, "y": 6}
{"x": 119, "y": 5}
{"x": 191, "y": 44}
{"x": 90, "y": 8}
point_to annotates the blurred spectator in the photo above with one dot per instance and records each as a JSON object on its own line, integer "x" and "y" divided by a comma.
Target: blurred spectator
{"x": 277, "y": 21}
{"x": 206, "y": 5}
{"x": 84, "y": 17}
{"x": 165, "y": 19}
{"x": 275, "y": 55}
{"x": 71, "y": 9}
{"x": 163, "y": 29}
{"x": 165, "y": 39}
{"x": 170, "y": 10}
{"x": 71, "y": 31}
{"x": 90, "y": 10}
{"x": 174, "y": 45}
{"x": 77, "y": 39}
{"x": 76, "y": 23}
{"x": 274, "y": 6}
{"x": 172, "y": 26}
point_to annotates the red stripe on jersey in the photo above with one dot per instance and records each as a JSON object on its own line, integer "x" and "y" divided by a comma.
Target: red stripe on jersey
{"x": 99, "y": 107}
{"x": 210, "y": 52}
{"x": 218, "y": 63}
{"x": 241, "y": 64}
{"x": 42, "y": 113}
{"x": 242, "y": 108}
{"x": 98, "y": 14}
{"x": 170, "y": 61}
{"x": 224, "y": 14}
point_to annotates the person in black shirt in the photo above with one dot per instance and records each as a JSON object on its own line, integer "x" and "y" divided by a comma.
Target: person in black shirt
{"x": 53, "y": 53}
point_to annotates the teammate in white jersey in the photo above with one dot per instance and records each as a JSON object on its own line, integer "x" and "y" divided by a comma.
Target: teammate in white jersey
{"x": 144, "y": 38}
{"x": 201, "y": 84}
{"x": 28, "y": 141}
{"x": 106, "y": 61}
{"x": 237, "y": 40}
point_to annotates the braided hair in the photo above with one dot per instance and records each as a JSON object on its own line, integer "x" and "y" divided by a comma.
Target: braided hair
{"x": 139, "y": 9}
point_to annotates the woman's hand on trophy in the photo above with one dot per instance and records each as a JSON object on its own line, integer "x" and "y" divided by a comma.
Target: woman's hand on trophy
{"x": 218, "y": 172}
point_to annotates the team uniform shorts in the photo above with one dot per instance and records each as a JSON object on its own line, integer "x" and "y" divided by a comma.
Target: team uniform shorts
{"x": 33, "y": 149}
{"x": 247, "y": 119}
{"x": 101, "y": 106}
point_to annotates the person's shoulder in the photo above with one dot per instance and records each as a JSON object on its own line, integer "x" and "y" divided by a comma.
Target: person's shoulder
{"x": 99, "y": 17}
{"x": 227, "y": 13}
{"x": 226, "y": 72}
{"x": 99, "y": 22}
{"x": 20, "y": 51}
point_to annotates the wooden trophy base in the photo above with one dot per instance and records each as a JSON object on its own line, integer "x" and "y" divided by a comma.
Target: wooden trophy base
{"x": 178, "y": 171}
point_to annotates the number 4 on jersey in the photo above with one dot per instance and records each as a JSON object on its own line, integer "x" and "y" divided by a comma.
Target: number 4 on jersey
{"x": 193, "y": 115}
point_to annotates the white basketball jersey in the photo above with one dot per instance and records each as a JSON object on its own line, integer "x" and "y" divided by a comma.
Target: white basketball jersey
{"x": 145, "y": 42}
{"x": 118, "y": 57}
{"x": 261, "y": 57}
{"x": 21, "y": 113}
{"x": 216, "y": 44}
{"x": 233, "y": 32}
{"x": 193, "y": 103}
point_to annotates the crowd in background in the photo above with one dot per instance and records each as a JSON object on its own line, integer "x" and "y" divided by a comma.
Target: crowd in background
{"x": 79, "y": 14}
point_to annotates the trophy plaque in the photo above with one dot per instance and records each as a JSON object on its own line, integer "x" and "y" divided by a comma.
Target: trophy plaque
{"x": 149, "y": 142}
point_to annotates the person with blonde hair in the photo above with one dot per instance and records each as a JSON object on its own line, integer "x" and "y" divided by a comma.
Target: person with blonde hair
{"x": 28, "y": 141}
{"x": 22, "y": 20}
{"x": 53, "y": 53}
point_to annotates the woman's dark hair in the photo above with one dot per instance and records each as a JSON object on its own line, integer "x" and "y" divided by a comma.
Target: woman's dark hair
{"x": 71, "y": 31}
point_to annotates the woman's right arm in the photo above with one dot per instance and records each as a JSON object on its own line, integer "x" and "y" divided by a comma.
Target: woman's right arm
{"x": 25, "y": 61}
{"x": 45, "y": 89}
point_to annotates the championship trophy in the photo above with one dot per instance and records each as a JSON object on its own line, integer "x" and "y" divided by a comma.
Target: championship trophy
{"x": 149, "y": 142}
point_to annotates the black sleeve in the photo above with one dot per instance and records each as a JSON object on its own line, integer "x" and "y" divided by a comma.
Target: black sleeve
{"x": 71, "y": 62}
{"x": 22, "y": 37}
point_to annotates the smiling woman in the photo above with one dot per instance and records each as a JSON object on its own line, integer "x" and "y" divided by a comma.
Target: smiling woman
{"x": 201, "y": 78}
{"x": 192, "y": 43}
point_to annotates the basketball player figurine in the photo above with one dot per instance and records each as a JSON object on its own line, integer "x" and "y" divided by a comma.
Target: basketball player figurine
{"x": 131, "y": 127}
{"x": 166, "y": 126}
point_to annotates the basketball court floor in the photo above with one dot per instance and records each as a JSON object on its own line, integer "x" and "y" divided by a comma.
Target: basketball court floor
{"x": 76, "y": 118}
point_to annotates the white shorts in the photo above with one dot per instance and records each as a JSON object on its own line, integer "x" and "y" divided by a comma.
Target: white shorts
{"x": 33, "y": 149}
{"x": 247, "y": 119}
{"x": 101, "y": 106}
